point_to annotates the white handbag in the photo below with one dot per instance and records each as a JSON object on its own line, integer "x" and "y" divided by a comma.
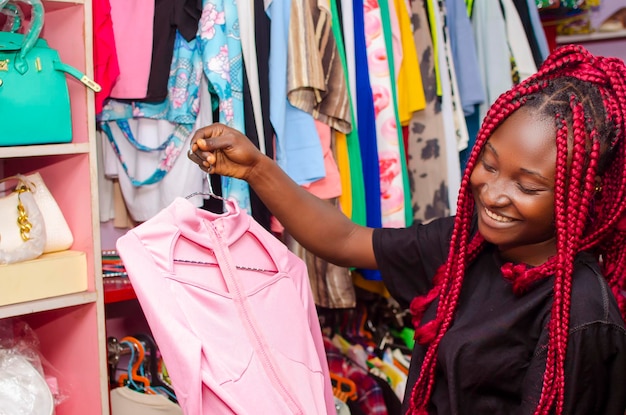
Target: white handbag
{"x": 58, "y": 234}
{"x": 22, "y": 230}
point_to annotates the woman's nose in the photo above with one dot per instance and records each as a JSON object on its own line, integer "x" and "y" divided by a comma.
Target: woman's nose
{"x": 495, "y": 194}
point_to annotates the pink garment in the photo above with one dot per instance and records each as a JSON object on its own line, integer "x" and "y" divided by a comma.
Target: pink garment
{"x": 329, "y": 186}
{"x": 105, "y": 66}
{"x": 232, "y": 312}
{"x": 133, "y": 23}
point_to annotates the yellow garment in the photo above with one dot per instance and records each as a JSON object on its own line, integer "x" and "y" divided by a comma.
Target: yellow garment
{"x": 433, "y": 34}
{"x": 343, "y": 162}
{"x": 373, "y": 286}
{"x": 411, "y": 96}
{"x": 395, "y": 376}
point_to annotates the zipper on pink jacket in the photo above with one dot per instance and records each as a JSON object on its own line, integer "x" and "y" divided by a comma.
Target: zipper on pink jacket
{"x": 260, "y": 345}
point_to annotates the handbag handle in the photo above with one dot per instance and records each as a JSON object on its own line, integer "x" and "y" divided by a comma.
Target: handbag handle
{"x": 30, "y": 39}
{"x": 21, "y": 65}
{"x": 14, "y": 16}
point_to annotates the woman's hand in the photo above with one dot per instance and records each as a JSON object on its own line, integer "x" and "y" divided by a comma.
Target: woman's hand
{"x": 225, "y": 151}
{"x": 318, "y": 225}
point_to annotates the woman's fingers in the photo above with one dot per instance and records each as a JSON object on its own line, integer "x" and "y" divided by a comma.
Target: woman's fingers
{"x": 223, "y": 150}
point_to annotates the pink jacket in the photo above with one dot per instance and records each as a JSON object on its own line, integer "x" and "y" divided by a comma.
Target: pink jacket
{"x": 232, "y": 312}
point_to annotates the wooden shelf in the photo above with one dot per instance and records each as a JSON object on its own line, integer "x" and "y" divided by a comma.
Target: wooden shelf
{"x": 43, "y": 150}
{"x": 47, "y": 304}
{"x": 591, "y": 37}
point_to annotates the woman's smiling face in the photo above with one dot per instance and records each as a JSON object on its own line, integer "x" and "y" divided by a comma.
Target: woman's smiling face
{"x": 513, "y": 187}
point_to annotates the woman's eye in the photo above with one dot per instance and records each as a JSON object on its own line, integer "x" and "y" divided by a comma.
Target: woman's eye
{"x": 487, "y": 166}
{"x": 527, "y": 190}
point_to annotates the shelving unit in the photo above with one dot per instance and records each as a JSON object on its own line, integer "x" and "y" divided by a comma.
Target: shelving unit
{"x": 599, "y": 43}
{"x": 70, "y": 327}
{"x": 591, "y": 37}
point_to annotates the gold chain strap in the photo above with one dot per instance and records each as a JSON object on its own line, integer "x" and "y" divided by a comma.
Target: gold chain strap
{"x": 22, "y": 216}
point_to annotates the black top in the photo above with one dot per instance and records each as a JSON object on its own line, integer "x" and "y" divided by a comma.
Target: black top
{"x": 492, "y": 359}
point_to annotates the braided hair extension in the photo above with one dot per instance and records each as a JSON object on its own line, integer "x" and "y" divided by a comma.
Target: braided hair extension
{"x": 586, "y": 97}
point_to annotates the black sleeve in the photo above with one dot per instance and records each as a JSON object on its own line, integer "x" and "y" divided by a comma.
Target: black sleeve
{"x": 409, "y": 257}
{"x": 595, "y": 371}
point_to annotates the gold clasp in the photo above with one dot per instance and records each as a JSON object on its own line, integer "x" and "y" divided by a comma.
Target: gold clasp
{"x": 22, "y": 216}
{"x": 90, "y": 84}
{"x": 4, "y": 65}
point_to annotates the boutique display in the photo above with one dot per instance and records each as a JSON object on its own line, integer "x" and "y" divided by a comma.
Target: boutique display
{"x": 34, "y": 97}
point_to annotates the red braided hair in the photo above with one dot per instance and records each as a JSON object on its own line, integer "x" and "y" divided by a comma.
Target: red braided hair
{"x": 586, "y": 97}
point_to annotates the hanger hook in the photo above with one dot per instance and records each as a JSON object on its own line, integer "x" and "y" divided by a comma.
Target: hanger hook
{"x": 210, "y": 193}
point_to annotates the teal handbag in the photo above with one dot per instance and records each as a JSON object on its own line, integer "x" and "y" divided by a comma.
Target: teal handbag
{"x": 34, "y": 98}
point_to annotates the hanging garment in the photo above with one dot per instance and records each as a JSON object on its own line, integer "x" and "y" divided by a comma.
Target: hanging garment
{"x": 365, "y": 114}
{"x": 298, "y": 148}
{"x": 331, "y": 284}
{"x": 357, "y": 212}
{"x": 463, "y": 46}
{"x": 494, "y": 56}
{"x": 529, "y": 15}
{"x": 315, "y": 76}
{"x": 171, "y": 19}
{"x": 106, "y": 68}
{"x": 518, "y": 42}
{"x": 330, "y": 186}
{"x": 366, "y": 121}
{"x": 390, "y": 157}
{"x": 460, "y": 128}
{"x": 222, "y": 60}
{"x": 232, "y": 312}
{"x": 262, "y": 32}
{"x": 451, "y": 119}
{"x": 305, "y": 75}
{"x": 410, "y": 89}
{"x": 343, "y": 15}
{"x": 427, "y": 152}
{"x": 180, "y": 110}
{"x": 247, "y": 27}
{"x": 391, "y": 34}
{"x": 182, "y": 178}
{"x": 133, "y": 23}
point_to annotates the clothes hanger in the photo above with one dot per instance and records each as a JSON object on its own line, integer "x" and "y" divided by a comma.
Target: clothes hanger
{"x": 210, "y": 193}
{"x": 343, "y": 388}
{"x": 133, "y": 378}
{"x": 215, "y": 264}
{"x": 156, "y": 382}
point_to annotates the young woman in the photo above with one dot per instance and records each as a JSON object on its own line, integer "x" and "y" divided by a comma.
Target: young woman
{"x": 518, "y": 301}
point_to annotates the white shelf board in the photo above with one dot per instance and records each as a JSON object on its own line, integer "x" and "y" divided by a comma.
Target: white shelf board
{"x": 591, "y": 37}
{"x": 43, "y": 150}
{"x": 47, "y": 304}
